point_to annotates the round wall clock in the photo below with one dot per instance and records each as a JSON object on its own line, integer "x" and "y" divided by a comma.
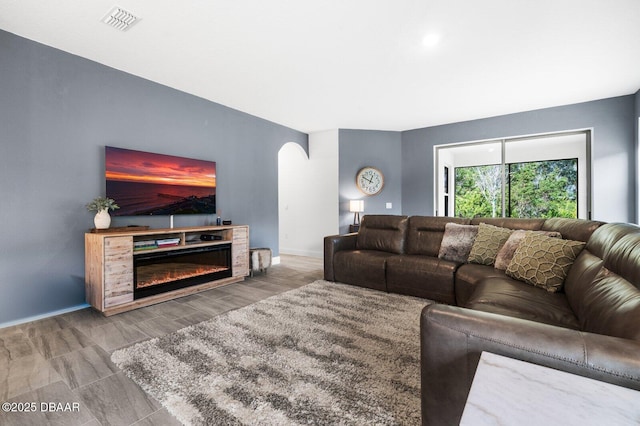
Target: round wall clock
{"x": 370, "y": 180}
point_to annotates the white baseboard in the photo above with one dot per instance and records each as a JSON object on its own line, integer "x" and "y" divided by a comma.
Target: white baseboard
{"x": 296, "y": 252}
{"x": 43, "y": 316}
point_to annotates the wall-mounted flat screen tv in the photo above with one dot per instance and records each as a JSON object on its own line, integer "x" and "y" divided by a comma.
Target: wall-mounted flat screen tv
{"x": 144, "y": 183}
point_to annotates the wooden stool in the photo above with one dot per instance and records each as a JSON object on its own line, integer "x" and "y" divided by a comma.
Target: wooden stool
{"x": 260, "y": 259}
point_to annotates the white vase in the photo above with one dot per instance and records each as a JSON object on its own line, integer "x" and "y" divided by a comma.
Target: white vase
{"x": 102, "y": 220}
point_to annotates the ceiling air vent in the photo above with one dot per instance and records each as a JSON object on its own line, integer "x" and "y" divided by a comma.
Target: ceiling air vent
{"x": 120, "y": 18}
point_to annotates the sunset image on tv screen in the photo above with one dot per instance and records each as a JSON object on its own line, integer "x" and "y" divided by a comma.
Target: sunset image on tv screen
{"x": 144, "y": 183}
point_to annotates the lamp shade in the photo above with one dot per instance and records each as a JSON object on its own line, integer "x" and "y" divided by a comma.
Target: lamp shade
{"x": 356, "y": 206}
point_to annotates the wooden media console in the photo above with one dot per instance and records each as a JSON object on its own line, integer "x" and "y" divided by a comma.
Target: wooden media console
{"x": 111, "y": 260}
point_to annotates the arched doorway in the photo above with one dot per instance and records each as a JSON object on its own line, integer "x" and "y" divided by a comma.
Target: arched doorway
{"x": 307, "y": 195}
{"x": 292, "y": 169}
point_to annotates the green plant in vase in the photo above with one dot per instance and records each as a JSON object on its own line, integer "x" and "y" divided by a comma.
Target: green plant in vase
{"x": 102, "y": 205}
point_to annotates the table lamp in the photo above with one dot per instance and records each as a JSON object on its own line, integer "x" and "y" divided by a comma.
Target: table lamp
{"x": 356, "y": 206}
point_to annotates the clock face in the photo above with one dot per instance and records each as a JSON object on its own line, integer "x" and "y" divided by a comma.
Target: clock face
{"x": 370, "y": 180}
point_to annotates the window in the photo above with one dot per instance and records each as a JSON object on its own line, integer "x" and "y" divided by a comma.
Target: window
{"x": 533, "y": 189}
{"x": 543, "y": 176}
{"x": 478, "y": 191}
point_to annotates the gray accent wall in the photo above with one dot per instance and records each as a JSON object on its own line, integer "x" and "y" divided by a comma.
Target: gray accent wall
{"x": 614, "y": 164}
{"x": 57, "y": 113}
{"x": 380, "y": 149}
{"x": 636, "y": 119}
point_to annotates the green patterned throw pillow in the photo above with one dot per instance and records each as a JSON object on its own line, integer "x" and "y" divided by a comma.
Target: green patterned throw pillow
{"x": 487, "y": 243}
{"x": 543, "y": 261}
{"x": 511, "y": 245}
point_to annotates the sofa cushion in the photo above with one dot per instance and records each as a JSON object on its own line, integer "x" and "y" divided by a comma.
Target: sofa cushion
{"x": 422, "y": 276}
{"x": 487, "y": 243}
{"x": 467, "y": 278}
{"x": 609, "y": 302}
{"x": 508, "y": 249}
{"x": 424, "y": 235}
{"x": 543, "y": 261}
{"x": 511, "y": 222}
{"x": 602, "y": 243}
{"x": 624, "y": 258}
{"x": 364, "y": 268}
{"x": 382, "y": 232}
{"x": 605, "y": 237}
{"x": 514, "y": 298}
{"x": 572, "y": 229}
{"x": 612, "y": 307}
{"x": 457, "y": 241}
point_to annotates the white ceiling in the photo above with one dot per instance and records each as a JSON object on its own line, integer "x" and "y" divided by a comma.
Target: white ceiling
{"x": 325, "y": 64}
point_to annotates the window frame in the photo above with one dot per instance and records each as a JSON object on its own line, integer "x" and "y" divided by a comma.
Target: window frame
{"x": 584, "y": 211}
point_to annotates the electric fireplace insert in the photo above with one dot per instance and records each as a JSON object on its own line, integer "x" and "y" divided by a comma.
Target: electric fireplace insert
{"x": 163, "y": 271}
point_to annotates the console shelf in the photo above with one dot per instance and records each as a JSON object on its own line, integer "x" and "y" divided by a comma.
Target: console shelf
{"x": 109, "y": 262}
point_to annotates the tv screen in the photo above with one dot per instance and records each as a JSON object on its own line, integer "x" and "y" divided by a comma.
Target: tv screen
{"x": 144, "y": 183}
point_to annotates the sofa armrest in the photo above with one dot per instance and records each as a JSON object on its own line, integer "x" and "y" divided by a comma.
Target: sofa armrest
{"x": 333, "y": 244}
{"x": 452, "y": 339}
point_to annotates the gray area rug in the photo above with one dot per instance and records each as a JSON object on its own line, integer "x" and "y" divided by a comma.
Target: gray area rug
{"x": 324, "y": 354}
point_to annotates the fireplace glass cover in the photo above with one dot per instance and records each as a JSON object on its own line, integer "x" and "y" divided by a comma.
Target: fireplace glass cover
{"x": 159, "y": 272}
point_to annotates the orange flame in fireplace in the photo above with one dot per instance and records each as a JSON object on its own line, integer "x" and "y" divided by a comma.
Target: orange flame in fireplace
{"x": 151, "y": 275}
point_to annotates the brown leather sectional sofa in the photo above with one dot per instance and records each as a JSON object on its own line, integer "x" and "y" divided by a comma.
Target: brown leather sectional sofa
{"x": 590, "y": 328}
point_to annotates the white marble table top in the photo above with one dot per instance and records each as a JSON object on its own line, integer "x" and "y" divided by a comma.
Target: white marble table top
{"x": 507, "y": 391}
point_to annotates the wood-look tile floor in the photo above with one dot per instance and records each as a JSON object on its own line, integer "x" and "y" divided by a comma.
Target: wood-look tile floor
{"x": 65, "y": 360}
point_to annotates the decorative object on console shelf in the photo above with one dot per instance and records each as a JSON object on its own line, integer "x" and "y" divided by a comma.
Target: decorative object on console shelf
{"x": 168, "y": 242}
{"x": 369, "y": 180}
{"x": 356, "y": 207}
{"x": 144, "y": 245}
{"x": 101, "y": 206}
{"x": 210, "y": 237}
{"x": 154, "y": 244}
{"x": 226, "y": 222}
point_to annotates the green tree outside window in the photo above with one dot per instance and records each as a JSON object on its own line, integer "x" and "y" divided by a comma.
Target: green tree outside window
{"x": 539, "y": 189}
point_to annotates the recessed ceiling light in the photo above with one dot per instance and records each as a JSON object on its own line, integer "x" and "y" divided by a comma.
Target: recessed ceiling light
{"x": 120, "y": 19}
{"x": 431, "y": 40}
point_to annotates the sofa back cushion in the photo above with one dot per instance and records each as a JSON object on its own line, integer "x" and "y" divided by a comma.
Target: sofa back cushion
{"x": 510, "y": 222}
{"x": 588, "y": 263}
{"x": 612, "y": 306}
{"x": 572, "y": 229}
{"x": 383, "y": 233}
{"x": 425, "y": 233}
{"x": 603, "y": 286}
